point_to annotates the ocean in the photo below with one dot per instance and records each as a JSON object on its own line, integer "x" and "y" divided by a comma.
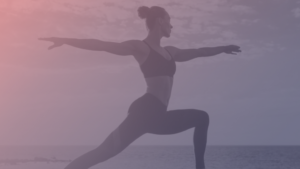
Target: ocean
{"x": 155, "y": 157}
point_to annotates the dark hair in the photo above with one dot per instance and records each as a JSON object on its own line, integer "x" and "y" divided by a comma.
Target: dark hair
{"x": 151, "y": 14}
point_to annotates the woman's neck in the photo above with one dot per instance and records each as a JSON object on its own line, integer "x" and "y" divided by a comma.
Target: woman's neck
{"x": 154, "y": 38}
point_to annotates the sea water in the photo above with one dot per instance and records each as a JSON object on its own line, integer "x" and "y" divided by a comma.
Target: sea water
{"x": 154, "y": 157}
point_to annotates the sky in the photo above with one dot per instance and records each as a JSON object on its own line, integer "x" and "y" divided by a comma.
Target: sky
{"x": 70, "y": 96}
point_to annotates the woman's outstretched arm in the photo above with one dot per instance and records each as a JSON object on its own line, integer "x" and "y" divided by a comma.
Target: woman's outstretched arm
{"x": 123, "y": 48}
{"x": 181, "y": 55}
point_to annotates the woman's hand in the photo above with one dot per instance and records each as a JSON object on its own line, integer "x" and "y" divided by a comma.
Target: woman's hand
{"x": 232, "y": 49}
{"x": 57, "y": 42}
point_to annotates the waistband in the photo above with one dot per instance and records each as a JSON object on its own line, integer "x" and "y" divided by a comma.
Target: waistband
{"x": 147, "y": 103}
{"x": 155, "y": 99}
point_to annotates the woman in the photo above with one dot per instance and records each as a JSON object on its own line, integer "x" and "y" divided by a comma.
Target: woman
{"x": 148, "y": 113}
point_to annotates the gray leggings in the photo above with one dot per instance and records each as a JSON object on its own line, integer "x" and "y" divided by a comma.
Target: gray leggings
{"x": 147, "y": 114}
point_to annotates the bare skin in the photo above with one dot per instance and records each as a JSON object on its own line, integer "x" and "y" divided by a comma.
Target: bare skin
{"x": 171, "y": 122}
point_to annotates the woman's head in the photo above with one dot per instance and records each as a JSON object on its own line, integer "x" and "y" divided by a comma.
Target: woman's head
{"x": 156, "y": 17}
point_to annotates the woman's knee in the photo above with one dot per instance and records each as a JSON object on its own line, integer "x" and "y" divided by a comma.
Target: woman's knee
{"x": 202, "y": 116}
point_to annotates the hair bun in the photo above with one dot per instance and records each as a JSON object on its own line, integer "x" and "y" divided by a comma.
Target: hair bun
{"x": 143, "y": 11}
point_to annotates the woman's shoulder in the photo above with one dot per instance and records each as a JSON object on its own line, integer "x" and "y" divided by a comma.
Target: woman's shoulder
{"x": 172, "y": 49}
{"x": 142, "y": 50}
{"x": 139, "y": 45}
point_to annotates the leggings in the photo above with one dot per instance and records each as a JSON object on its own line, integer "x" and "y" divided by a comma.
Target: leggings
{"x": 148, "y": 114}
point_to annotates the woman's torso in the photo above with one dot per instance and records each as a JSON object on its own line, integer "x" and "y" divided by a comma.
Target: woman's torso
{"x": 158, "y": 85}
{"x": 161, "y": 87}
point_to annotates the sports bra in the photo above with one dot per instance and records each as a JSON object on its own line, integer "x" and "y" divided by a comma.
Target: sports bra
{"x": 157, "y": 65}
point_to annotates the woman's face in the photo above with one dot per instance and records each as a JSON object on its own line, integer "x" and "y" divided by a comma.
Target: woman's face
{"x": 166, "y": 25}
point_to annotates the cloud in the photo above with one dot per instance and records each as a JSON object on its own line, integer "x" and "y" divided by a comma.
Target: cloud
{"x": 227, "y": 22}
{"x": 249, "y": 21}
{"x": 242, "y": 9}
{"x": 229, "y": 34}
{"x": 296, "y": 12}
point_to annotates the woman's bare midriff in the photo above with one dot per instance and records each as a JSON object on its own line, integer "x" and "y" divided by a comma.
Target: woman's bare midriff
{"x": 161, "y": 87}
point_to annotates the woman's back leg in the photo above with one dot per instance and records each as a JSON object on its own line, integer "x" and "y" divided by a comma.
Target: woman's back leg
{"x": 128, "y": 131}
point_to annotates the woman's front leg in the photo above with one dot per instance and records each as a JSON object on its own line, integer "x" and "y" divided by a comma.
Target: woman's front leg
{"x": 176, "y": 121}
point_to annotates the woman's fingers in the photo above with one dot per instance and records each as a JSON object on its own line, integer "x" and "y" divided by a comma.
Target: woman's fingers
{"x": 54, "y": 46}
{"x": 54, "y": 40}
{"x": 234, "y": 48}
{"x": 51, "y": 47}
{"x": 231, "y": 53}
